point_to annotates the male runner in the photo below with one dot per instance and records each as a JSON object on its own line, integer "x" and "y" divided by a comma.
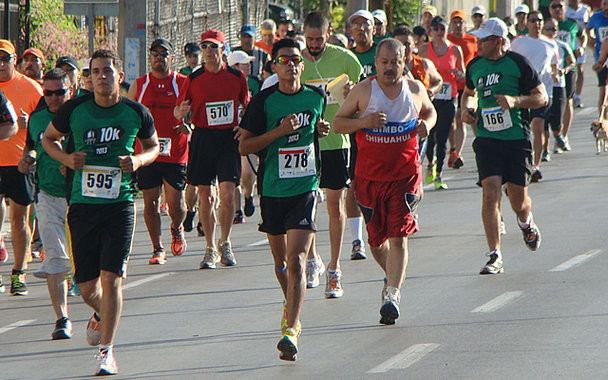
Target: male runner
{"x": 380, "y": 22}
{"x": 51, "y": 205}
{"x": 506, "y": 85}
{"x": 392, "y": 110}
{"x": 33, "y": 64}
{"x": 281, "y": 123}
{"x": 213, "y": 94}
{"x": 579, "y": 12}
{"x": 192, "y": 52}
{"x": 362, "y": 29}
{"x": 598, "y": 25}
{"x": 158, "y": 90}
{"x": 101, "y": 216}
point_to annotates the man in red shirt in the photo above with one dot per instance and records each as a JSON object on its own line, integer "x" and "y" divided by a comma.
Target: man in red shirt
{"x": 158, "y": 90}
{"x": 213, "y": 94}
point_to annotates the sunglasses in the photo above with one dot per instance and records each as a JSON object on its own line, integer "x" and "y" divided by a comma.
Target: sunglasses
{"x": 210, "y": 45}
{"x": 364, "y": 24}
{"x": 535, "y": 20}
{"x": 86, "y": 73}
{"x": 286, "y": 59}
{"x": 7, "y": 58}
{"x": 60, "y": 92}
{"x": 549, "y": 29}
{"x": 378, "y": 24}
{"x": 557, "y": 6}
{"x": 438, "y": 28}
{"x": 489, "y": 38}
{"x": 155, "y": 53}
{"x": 477, "y": 15}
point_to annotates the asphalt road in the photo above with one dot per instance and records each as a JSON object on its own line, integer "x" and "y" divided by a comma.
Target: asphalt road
{"x": 543, "y": 318}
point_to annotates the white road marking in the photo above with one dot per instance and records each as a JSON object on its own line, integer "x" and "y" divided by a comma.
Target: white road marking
{"x": 16, "y": 324}
{"x": 405, "y": 358}
{"x": 575, "y": 261}
{"x": 497, "y": 302}
{"x": 258, "y": 243}
{"x": 144, "y": 280}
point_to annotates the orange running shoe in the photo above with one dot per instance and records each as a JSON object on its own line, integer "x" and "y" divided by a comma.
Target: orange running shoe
{"x": 3, "y": 250}
{"x": 158, "y": 257}
{"x": 178, "y": 241}
{"x": 452, "y": 158}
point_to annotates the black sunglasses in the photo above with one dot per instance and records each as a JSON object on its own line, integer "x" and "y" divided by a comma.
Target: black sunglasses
{"x": 557, "y": 6}
{"x": 7, "y": 58}
{"x": 535, "y": 20}
{"x": 211, "y": 45}
{"x": 155, "y": 53}
{"x": 60, "y": 92}
{"x": 86, "y": 73}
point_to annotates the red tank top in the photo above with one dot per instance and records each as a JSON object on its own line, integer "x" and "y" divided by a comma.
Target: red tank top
{"x": 160, "y": 96}
{"x": 444, "y": 64}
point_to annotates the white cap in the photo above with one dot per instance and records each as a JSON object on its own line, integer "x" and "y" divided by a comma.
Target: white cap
{"x": 479, "y": 9}
{"x": 491, "y": 27}
{"x": 87, "y": 64}
{"x": 522, "y": 9}
{"x": 362, "y": 13}
{"x": 239, "y": 56}
{"x": 380, "y": 15}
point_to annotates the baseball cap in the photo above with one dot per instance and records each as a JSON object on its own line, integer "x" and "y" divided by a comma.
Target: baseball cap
{"x": 479, "y": 9}
{"x": 7, "y": 46}
{"x": 491, "y": 27}
{"x": 192, "y": 48}
{"x": 430, "y": 9}
{"x": 162, "y": 43}
{"x": 522, "y": 9}
{"x": 248, "y": 29}
{"x": 67, "y": 60}
{"x": 380, "y": 15}
{"x": 458, "y": 13}
{"x": 362, "y": 13}
{"x": 35, "y": 52}
{"x": 438, "y": 20}
{"x": 87, "y": 64}
{"x": 213, "y": 35}
{"x": 239, "y": 56}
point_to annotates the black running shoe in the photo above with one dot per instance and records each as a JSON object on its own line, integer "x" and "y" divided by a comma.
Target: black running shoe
{"x": 532, "y": 236}
{"x": 249, "y": 207}
{"x": 458, "y": 163}
{"x": 536, "y": 175}
{"x": 63, "y": 329}
{"x": 189, "y": 221}
{"x": 199, "y": 229}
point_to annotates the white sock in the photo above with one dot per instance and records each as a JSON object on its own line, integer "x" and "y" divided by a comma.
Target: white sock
{"x": 355, "y": 225}
{"x": 526, "y": 223}
{"x": 497, "y": 252}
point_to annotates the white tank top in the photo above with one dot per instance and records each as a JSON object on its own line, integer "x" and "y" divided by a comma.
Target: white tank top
{"x": 400, "y": 110}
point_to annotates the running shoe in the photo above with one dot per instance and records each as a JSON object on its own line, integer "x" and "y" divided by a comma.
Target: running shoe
{"x": 164, "y": 209}
{"x": 288, "y": 345}
{"x": 238, "y": 217}
{"x": 431, "y": 173}
{"x": 536, "y": 175}
{"x": 2, "y": 287}
{"x": 532, "y": 236}
{"x": 189, "y": 221}
{"x": 18, "y": 285}
{"x": 577, "y": 101}
{"x": 159, "y": 257}
{"x": 358, "y": 252}
{"x": 314, "y": 270}
{"x": 228, "y": 259}
{"x": 458, "y": 163}
{"x": 73, "y": 288}
{"x": 439, "y": 184}
{"x": 93, "y": 330}
{"x": 494, "y": 265}
{"x": 249, "y": 206}
{"x": 63, "y": 329}
{"x": 106, "y": 364}
{"x": 284, "y": 320}
{"x": 3, "y": 250}
{"x": 383, "y": 293}
{"x": 567, "y": 146}
{"x": 389, "y": 312}
{"x": 503, "y": 227}
{"x": 199, "y": 229}
{"x": 546, "y": 157}
{"x": 210, "y": 259}
{"x": 333, "y": 286}
{"x": 178, "y": 241}
{"x": 452, "y": 158}
{"x": 36, "y": 248}
{"x": 560, "y": 142}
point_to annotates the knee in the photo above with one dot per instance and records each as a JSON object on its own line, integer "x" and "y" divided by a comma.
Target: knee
{"x": 110, "y": 281}
{"x": 227, "y": 197}
{"x": 295, "y": 264}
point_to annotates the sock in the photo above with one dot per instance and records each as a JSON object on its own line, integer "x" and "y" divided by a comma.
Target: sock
{"x": 96, "y": 316}
{"x": 355, "y": 225}
{"x": 281, "y": 270}
{"x": 497, "y": 251}
{"x": 15, "y": 271}
{"x": 526, "y": 223}
{"x": 105, "y": 348}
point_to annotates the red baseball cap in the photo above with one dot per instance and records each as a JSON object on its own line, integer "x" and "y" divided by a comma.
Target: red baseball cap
{"x": 213, "y": 35}
{"x": 35, "y": 52}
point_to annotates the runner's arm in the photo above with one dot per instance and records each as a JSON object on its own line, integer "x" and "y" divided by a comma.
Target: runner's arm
{"x": 150, "y": 150}
{"x": 435, "y": 80}
{"x": 51, "y": 142}
{"x": 344, "y": 122}
{"x": 250, "y": 143}
{"x": 132, "y": 94}
{"x": 601, "y": 60}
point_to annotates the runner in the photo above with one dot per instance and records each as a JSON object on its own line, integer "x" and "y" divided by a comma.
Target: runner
{"x": 71, "y": 67}
{"x": 323, "y": 63}
{"x": 380, "y": 23}
{"x": 282, "y": 123}
{"x": 598, "y": 25}
{"x": 158, "y": 90}
{"x": 284, "y": 26}
{"x": 362, "y": 29}
{"x": 478, "y": 15}
{"x": 543, "y": 54}
{"x": 580, "y": 13}
{"x": 246, "y": 37}
{"x": 192, "y": 52}
{"x": 51, "y": 205}
{"x": 87, "y": 81}
{"x": 392, "y": 109}
{"x": 428, "y": 13}
{"x": 508, "y": 85}
{"x": 521, "y": 13}
{"x": 214, "y": 148}
{"x": 33, "y": 64}
{"x": 101, "y": 215}
{"x": 268, "y": 30}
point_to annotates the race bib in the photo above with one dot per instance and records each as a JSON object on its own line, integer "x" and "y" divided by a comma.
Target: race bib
{"x": 165, "y": 146}
{"x": 220, "y": 113}
{"x": 445, "y": 93}
{"x": 322, "y": 84}
{"x": 564, "y": 36}
{"x": 101, "y": 182}
{"x": 297, "y": 162}
{"x": 603, "y": 33}
{"x": 496, "y": 119}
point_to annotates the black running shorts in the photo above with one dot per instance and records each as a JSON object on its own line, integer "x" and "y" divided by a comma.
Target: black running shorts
{"x": 17, "y": 186}
{"x": 152, "y": 176}
{"x": 290, "y": 213}
{"x": 334, "y": 169}
{"x": 511, "y": 160}
{"x": 214, "y": 153}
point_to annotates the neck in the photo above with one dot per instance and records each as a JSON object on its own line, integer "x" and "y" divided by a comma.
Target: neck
{"x": 521, "y": 26}
{"x": 458, "y": 33}
{"x": 107, "y": 100}
{"x": 497, "y": 55}
{"x": 311, "y": 57}
{"x": 533, "y": 34}
{"x": 290, "y": 87}
{"x": 160, "y": 74}
{"x": 363, "y": 48}
{"x": 391, "y": 89}
{"x": 213, "y": 67}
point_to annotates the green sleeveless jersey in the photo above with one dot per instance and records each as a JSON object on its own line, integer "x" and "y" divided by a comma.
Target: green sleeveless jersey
{"x": 290, "y": 165}
{"x": 510, "y": 75}
{"x": 103, "y": 134}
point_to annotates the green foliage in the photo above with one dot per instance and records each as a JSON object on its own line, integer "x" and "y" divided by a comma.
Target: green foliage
{"x": 405, "y": 11}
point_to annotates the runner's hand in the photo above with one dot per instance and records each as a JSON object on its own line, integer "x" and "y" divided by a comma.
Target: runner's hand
{"x": 76, "y": 160}
{"x": 347, "y": 87}
{"x": 63, "y": 170}
{"x": 25, "y": 164}
{"x": 238, "y": 132}
{"x": 289, "y": 124}
{"x": 506, "y": 102}
{"x": 183, "y": 109}
{"x": 469, "y": 116}
{"x": 422, "y": 129}
{"x": 129, "y": 164}
{"x": 376, "y": 120}
{"x": 597, "y": 66}
{"x": 22, "y": 120}
{"x": 183, "y": 128}
{"x": 322, "y": 128}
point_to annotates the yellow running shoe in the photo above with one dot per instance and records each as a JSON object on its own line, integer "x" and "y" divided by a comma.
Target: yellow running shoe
{"x": 288, "y": 345}
{"x": 284, "y": 321}
{"x": 431, "y": 173}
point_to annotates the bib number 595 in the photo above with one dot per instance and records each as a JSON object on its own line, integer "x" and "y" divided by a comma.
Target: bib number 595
{"x": 99, "y": 180}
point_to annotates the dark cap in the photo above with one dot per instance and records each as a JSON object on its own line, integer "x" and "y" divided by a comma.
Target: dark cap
{"x": 438, "y": 20}
{"x": 248, "y": 29}
{"x": 162, "y": 43}
{"x": 192, "y": 48}
{"x": 67, "y": 60}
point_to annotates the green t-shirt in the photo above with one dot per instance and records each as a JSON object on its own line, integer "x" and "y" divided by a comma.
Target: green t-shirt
{"x": 186, "y": 70}
{"x": 568, "y": 30}
{"x": 378, "y": 39}
{"x": 368, "y": 61}
{"x": 254, "y": 85}
{"x": 49, "y": 178}
{"x": 510, "y": 75}
{"x": 290, "y": 165}
{"x": 334, "y": 62}
{"x": 103, "y": 134}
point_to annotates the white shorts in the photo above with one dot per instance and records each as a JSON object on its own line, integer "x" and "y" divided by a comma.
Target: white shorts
{"x": 583, "y": 57}
{"x": 51, "y": 212}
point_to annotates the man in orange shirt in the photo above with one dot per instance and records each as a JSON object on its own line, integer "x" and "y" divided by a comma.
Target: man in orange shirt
{"x": 468, "y": 44}
{"x": 24, "y": 93}
{"x": 268, "y": 29}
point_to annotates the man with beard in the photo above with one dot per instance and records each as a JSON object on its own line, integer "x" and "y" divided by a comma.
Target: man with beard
{"x": 32, "y": 64}
{"x": 392, "y": 110}
{"x": 158, "y": 90}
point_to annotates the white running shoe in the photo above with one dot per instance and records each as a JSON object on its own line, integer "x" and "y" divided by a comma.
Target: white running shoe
{"x": 210, "y": 259}
{"x": 314, "y": 270}
{"x": 333, "y": 286}
{"x": 106, "y": 364}
{"x": 389, "y": 311}
{"x": 93, "y": 331}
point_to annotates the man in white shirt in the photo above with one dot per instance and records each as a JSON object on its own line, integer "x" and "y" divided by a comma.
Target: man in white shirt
{"x": 580, "y": 13}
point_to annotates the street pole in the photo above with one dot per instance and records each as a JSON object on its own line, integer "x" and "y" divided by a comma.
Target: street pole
{"x": 91, "y": 25}
{"x": 7, "y": 19}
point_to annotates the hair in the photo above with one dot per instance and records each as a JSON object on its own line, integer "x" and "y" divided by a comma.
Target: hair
{"x": 103, "y": 53}
{"x": 393, "y": 45}
{"x": 403, "y": 30}
{"x": 268, "y": 24}
{"x": 420, "y": 31}
{"x": 284, "y": 43}
{"x": 285, "y": 21}
{"x": 338, "y": 39}
{"x": 533, "y": 13}
{"x": 268, "y": 67}
{"x": 55, "y": 74}
{"x": 316, "y": 20}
